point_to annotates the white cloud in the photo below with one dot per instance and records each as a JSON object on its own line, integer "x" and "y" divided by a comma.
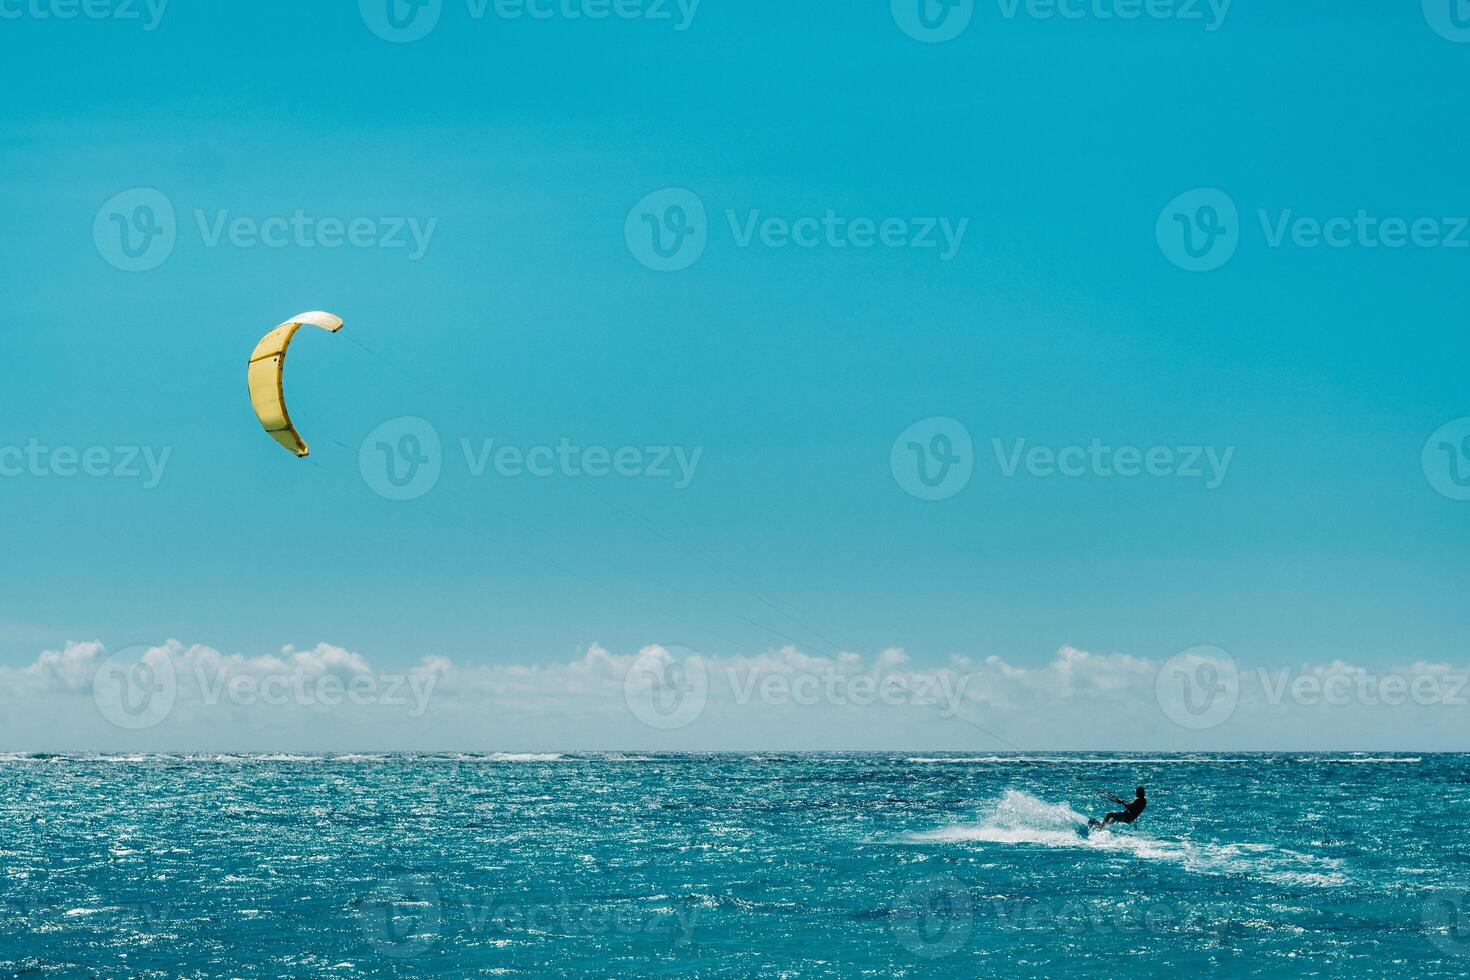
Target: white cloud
{"x": 68, "y": 669}
{"x": 328, "y": 698}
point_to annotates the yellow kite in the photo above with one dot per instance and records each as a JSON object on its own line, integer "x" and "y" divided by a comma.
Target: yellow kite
{"x": 268, "y": 367}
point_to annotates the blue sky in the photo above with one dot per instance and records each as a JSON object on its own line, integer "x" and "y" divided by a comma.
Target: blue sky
{"x": 1059, "y": 320}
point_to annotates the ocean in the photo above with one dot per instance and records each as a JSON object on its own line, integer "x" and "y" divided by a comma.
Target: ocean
{"x": 628, "y": 865}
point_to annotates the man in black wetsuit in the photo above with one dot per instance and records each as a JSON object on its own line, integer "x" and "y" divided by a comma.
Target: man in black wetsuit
{"x": 1128, "y": 814}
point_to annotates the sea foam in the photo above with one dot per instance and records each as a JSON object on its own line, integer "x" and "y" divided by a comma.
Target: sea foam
{"x": 1018, "y": 818}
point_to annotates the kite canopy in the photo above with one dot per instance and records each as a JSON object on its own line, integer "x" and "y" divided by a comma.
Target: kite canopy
{"x": 268, "y": 368}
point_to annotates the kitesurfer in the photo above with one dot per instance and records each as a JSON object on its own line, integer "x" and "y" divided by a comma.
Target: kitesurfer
{"x": 1128, "y": 814}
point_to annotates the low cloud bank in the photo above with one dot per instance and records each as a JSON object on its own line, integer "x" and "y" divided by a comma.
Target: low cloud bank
{"x": 194, "y": 698}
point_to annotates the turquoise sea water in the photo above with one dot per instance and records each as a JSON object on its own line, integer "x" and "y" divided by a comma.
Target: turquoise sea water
{"x": 730, "y": 865}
